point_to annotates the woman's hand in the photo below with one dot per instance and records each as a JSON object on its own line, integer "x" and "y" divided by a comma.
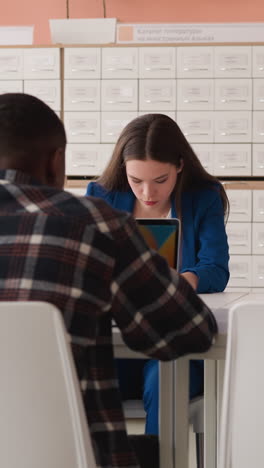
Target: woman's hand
{"x": 192, "y": 279}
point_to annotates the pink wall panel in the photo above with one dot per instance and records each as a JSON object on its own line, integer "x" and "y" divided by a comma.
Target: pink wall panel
{"x": 28, "y": 12}
{"x": 171, "y": 10}
{"x": 38, "y": 12}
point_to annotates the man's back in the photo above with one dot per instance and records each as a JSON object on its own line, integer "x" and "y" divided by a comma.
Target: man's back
{"x": 92, "y": 263}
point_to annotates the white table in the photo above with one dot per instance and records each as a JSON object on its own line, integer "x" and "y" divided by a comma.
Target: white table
{"x": 174, "y": 388}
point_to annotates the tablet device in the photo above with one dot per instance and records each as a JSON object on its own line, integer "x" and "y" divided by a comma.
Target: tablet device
{"x": 163, "y": 235}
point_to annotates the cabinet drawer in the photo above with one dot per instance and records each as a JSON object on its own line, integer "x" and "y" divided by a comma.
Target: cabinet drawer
{"x": 258, "y": 61}
{"x": 112, "y": 124}
{"x": 11, "y": 86}
{"x": 240, "y": 202}
{"x": 157, "y": 62}
{"x": 48, "y": 91}
{"x": 258, "y": 159}
{"x": 198, "y": 127}
{"x": 42, "y": 63}
{"x": 232, "y": 160}
{"x": 119, "y": 62}
{"x": 119, "y": 95}
{"x": 232, "y": 62}
{"x": 258, "y": 271}
{"x": 195, "y": 62}
{"x": 205, "y": 153}
{"x": 239, "y": 238}
{"x": 157, "y": 95}
{"x": 235, "y": 94}
{"x": 258, "y": 127}
{"x": 82, "y": 159}
{"x": 258, "y": 205}
{"x": 11, "y": 64}
{"x": 233, "y": 127}
{"x": 82, "y": 127}
{"x": 82, "y": 62}
{"x": 82, "y": 95}
{"x": 258, "y": 238}
{"x": 258, "y": 94}
{"x": 195, "y": 94}
{"x": 240, "y": 267}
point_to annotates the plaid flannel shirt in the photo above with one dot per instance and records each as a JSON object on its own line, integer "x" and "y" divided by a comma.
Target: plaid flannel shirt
{"x": 91, "y": 262}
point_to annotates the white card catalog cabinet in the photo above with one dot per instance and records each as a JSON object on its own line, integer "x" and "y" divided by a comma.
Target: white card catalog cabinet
{"x": 157, "y": 62}
{"x": 205, "y": 153}
{"x": 11, "y": 64}
{"x": 157, "y": 95}
{"x": 240, "y": 202}
{"x": 48, "y": 91}
{"x": 112, "y": 123}
{"x": 118, "y": 95}
{"x": 195, "y": 62}
{"x": 258, "y": 159}
{"x": 233, "y": 94}
{"x": 258, "y": 205}
{"x": 42, "y": 63}
{"x": 258, "y": 94}
{"x": 232, "y": 62}
{"x": 11, "y": 86}
{"x": 240, "y": 267}
{"x": 83, "y": 159}
{"x": 233, "y": 127}
{"x": 258, "y": 127}
{"x": 198, "y": 127}
{"x": 258, "y": 271}
{"x": 239, "y": 238}
{"x": 119, "y": 62}
{"x": 82, "y": 127}
{"x": 193, "y": 94}
{"x": 258, "y": 61}
{"x": 258, "y": 238}
{"x": 82, "y": 62}
{"x": 82, "y": 95}
{"x": 232, "y": 159}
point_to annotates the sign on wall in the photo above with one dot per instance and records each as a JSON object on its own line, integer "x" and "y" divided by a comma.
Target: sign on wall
{"x": 189, "y": 32}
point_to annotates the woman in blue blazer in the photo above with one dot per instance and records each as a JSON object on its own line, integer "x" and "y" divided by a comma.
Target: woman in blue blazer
{"x": 155, "y": 173}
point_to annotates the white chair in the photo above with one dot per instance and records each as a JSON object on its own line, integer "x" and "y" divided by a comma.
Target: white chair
{"x": 42, "y": 419}
{"x": 241, "y": 425}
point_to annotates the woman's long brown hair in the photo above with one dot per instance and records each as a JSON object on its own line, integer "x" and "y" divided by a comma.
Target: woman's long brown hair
{"x": 158, "y": 137}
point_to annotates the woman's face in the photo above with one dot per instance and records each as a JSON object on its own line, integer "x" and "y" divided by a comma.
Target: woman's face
{"x": 152, "y": 182}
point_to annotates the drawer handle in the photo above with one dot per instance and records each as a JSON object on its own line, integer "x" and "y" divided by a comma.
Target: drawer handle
{"x": 232, "y": 133}
{"x": 234, "y": 100}
{"x": 150, "y": 101}
{"x": 82, "y": 133}
{"x": 120, "y": 69}
{"x": 157, "y": 68}
{"x": 42, "y": 69}
{"x": 196, "y": 100}
{"x": 196, "y": 69}
{"x": 83, "y": 69}
{"x": 196, "y": 134}
{"x": 75, "y": 101}
{"x": 119, "y": 102}
{"x": 233, "y": 68}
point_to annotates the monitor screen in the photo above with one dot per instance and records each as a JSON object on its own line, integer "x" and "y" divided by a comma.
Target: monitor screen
{"x": 162, "y": 235}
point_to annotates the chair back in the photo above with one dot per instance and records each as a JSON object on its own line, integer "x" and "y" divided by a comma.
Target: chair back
{"x": 42, "y": 419}
{"x": 241, "y": 425}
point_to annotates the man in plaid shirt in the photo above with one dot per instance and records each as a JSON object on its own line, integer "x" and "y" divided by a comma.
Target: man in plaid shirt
{"x": 92, "y": 263}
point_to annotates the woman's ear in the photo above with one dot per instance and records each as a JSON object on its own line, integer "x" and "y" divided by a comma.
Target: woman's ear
{"x": 180, "y": 167}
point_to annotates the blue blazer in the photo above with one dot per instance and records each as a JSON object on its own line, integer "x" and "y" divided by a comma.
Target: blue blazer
{"x": 204, "y": 240}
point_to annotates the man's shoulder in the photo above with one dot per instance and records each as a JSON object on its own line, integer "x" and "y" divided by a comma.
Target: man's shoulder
{"x": 90, "y": 210}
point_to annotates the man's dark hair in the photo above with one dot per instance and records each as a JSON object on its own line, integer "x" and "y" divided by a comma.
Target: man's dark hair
{"x": 29, "y": 129}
